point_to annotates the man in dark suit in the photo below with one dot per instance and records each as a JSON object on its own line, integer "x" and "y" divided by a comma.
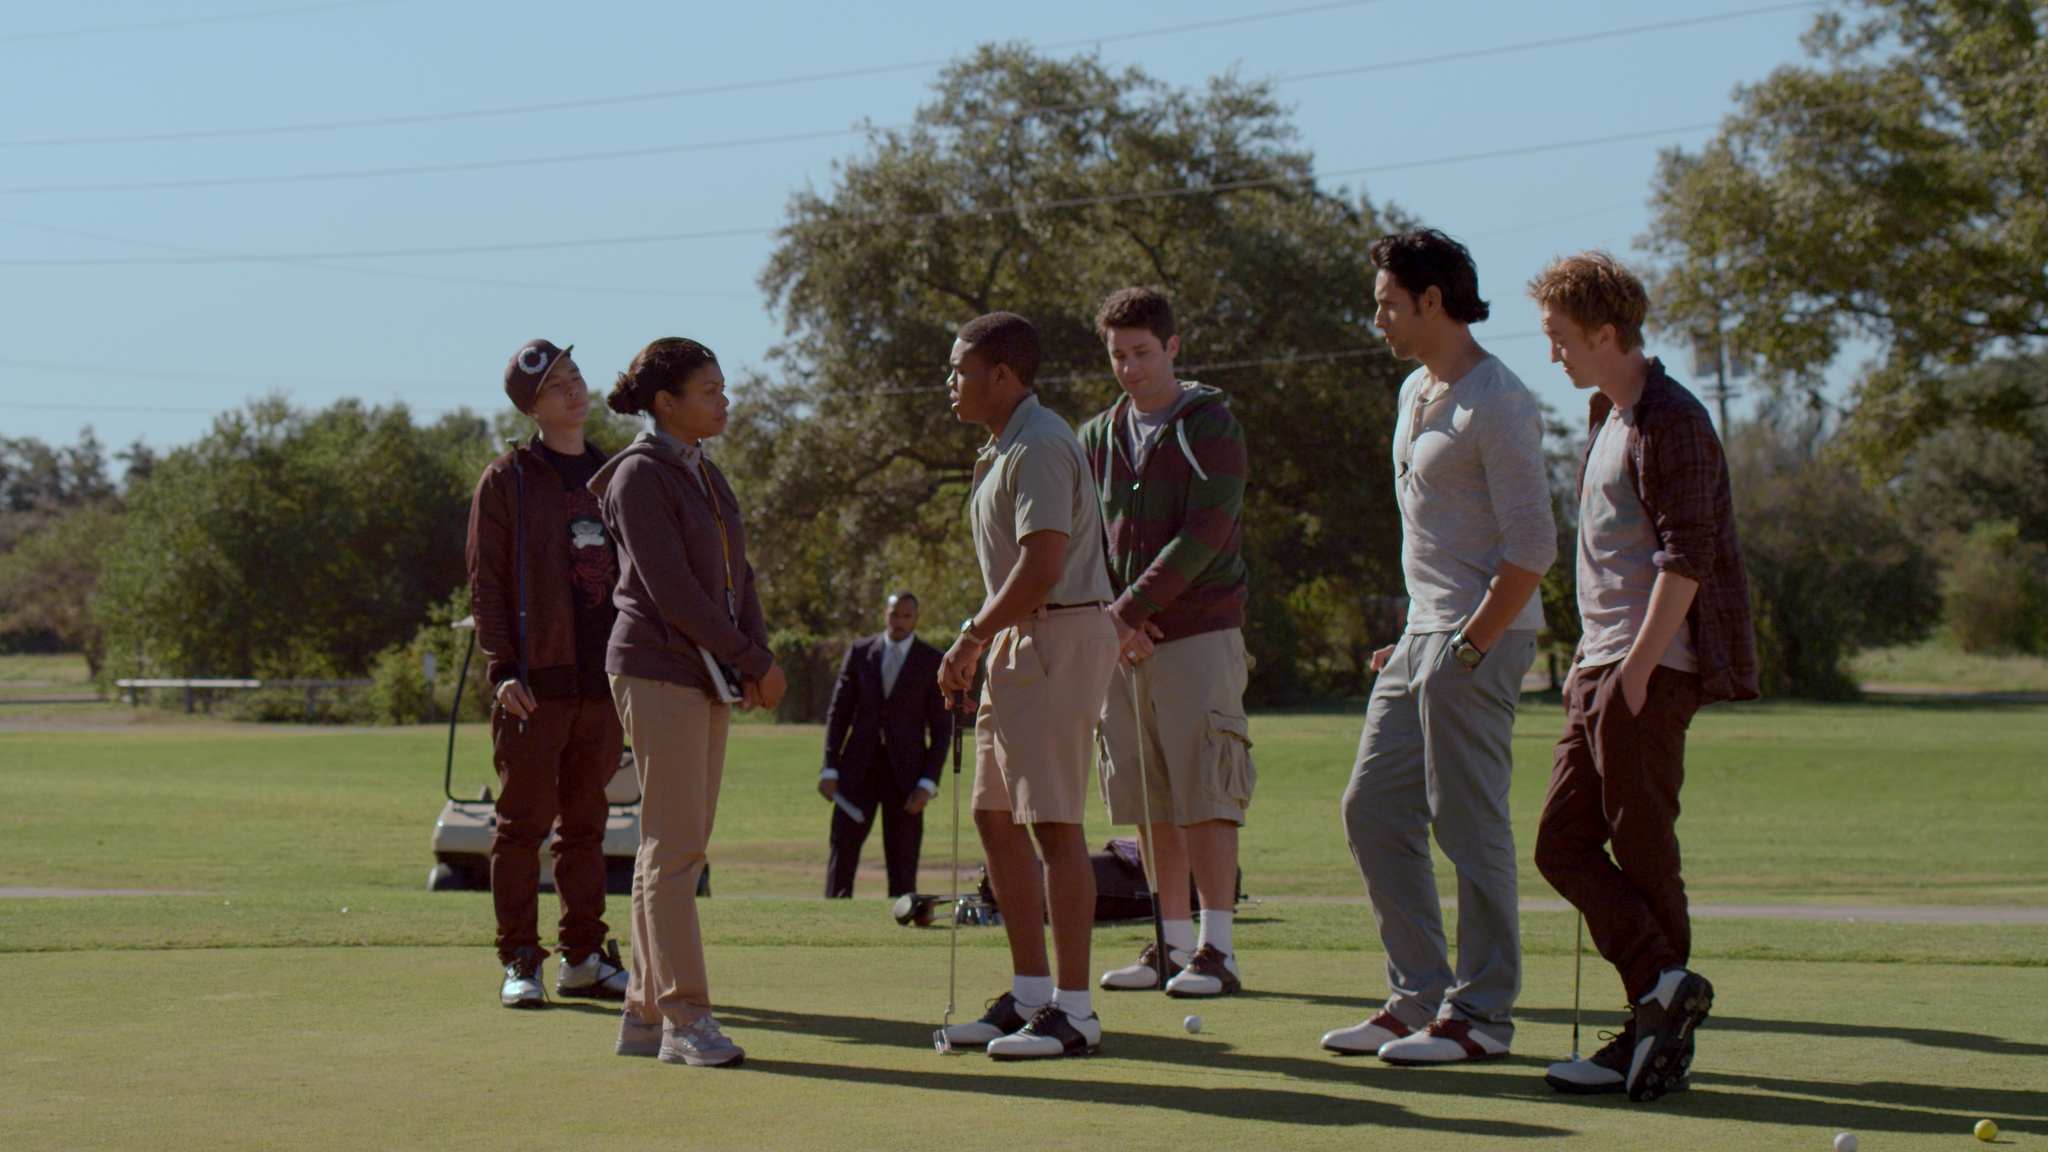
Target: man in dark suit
{"x": 885, "y": 743}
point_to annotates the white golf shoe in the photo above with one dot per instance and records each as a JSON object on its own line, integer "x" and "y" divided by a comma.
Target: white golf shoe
{"x": 1209, "y": 973}
{"x": 637, "y": 1038}
{"x": 1144, "y": 975}
{"x": 600, "y": 976}
{"x": 1051, "y": 1034}
{"x": 1446, "y": 1040}
{"x": 1366, "y": 1038}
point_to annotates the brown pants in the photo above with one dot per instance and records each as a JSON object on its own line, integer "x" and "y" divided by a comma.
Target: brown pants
{"x": 551, "y": 778}
{"x": 679, "y": 748}
{"x": 1615, "y": 786}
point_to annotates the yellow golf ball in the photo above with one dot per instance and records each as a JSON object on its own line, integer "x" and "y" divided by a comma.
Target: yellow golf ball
{"x": 1986, "y": 1131}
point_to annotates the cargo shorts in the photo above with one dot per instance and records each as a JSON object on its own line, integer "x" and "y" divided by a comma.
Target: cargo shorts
{"x": 1197, "y": 747}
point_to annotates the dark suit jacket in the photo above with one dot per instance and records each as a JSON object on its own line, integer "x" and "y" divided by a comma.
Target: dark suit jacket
{"x": 912, "y": 723}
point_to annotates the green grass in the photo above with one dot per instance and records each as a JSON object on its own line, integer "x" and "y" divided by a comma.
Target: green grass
{"x": 36, "y": 674}
{"x": 405, "y": 1048}
{"x": 1938, "y": 664}
{"x": 1874, "y": 803}
{"x": 309, "y": 993}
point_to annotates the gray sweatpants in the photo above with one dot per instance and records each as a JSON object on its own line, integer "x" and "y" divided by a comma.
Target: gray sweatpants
{"x": 1436, "y": 754}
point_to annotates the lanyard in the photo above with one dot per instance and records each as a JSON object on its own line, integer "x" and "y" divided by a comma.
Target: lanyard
{"x": 724, "y": 544}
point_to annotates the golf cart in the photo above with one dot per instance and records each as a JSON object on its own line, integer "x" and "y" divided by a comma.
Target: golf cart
{"x": 462, "y": 833}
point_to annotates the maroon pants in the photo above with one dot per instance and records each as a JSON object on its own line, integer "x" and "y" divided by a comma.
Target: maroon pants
{"x": 551, "y": 778}
{"x": 1615, "y": 788}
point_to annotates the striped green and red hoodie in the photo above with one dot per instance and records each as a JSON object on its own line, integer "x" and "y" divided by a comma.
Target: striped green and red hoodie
{"x": 1173, "y": 534}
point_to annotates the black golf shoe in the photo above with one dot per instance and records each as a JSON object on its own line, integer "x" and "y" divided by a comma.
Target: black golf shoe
{"x": 1001, "y": 1019}
{"x": 1664, "y": 1025}
{"x": 1051, "y": 1034}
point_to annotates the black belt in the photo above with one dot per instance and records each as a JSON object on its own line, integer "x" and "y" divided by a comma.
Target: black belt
{"x": 1071, "y": 607}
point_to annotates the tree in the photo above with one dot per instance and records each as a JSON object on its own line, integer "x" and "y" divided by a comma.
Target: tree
{"x": 39, "y": 483}
{"x": 287, "y": 543}
{"x": 1991, "y": 467}
{"x": 1895, "y": 189}
{"x": 1038, "y": 186}
{"x": 1831, "y": 570}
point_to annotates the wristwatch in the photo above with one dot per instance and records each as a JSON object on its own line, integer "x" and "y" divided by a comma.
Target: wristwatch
{"x": 1463, "y": 649}
{"x": 967, "y": 630}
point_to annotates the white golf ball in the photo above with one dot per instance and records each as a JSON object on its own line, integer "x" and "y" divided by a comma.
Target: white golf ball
{"x": 1193, "y": 1024}
{"x": 1846, "y": 1142}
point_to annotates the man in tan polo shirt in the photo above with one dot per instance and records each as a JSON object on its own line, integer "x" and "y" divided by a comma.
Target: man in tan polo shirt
{"x": 1051, "y": 649}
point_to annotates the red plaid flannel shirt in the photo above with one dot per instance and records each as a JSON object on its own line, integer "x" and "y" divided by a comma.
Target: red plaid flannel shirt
{"x": 1674, "y": 461}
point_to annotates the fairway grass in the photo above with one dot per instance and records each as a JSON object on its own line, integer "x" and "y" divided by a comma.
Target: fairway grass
{"x": 352, "y": 1048}
{"x": 1784, "y": 803}
{"x": 296, "y": 987}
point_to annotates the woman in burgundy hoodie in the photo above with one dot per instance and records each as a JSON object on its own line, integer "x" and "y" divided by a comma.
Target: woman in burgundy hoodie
{"x": 689, "y": 643}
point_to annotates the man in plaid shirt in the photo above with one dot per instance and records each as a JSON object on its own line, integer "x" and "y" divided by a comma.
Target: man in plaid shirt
{"x": 1665, "y": 604}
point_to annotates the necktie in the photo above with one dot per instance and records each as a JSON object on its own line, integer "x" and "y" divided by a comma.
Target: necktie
{"x": 892, "y": 663}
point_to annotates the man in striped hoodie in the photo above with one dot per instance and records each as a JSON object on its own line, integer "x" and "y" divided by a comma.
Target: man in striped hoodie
{"x": 1169, "y": 463}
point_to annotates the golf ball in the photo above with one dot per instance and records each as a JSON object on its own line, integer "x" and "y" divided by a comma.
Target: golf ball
{"x": 1194, "y": 1024}
{"x": 1845, "y": 1142}
{"x": 1986, "y": 1131}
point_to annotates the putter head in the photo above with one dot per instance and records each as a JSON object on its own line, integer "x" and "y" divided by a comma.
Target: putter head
{"x": 941, "y": 1042}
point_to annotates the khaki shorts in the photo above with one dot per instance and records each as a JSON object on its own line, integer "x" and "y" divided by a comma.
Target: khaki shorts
{"x": 1033, "y": 733}
{"x": 1198, "y": 757}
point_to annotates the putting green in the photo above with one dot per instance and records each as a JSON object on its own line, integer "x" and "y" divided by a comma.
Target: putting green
{"x": 406, "y": 1047}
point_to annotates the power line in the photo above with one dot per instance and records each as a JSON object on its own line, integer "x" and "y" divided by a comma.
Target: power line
{"x": 797, "y": 137}
{"x": 868, "y": 221}
{"x": 389, "y": 273}
{"x": 190, "y": 21}
{"x": 643, "y": 97}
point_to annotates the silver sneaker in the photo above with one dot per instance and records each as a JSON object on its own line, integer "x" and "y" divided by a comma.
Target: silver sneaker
{"x": 637, "y": 1039}
{"x": 601, "y": 975}
{"x": 700, "y": 1043}
{"x": 522, "y": 987}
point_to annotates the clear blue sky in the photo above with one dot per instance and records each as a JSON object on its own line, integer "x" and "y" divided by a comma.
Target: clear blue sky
{"x": 151, "y": 350}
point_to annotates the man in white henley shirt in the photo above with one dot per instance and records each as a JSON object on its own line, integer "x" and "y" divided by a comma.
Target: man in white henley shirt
{"x": 1476, "y": 537}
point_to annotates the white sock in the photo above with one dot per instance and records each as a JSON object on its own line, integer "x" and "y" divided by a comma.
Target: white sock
{"x": 1073, "y": 1003}
{"x": 1667, "y": 987}
{"x": 1180, "y": 935}
{"x": 1031, "y": 993}
{"x": 1216, "y": 929}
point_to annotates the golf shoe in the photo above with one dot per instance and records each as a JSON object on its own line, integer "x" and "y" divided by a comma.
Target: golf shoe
{"x": 1366, "y": 1038}
{"x": 1664, "y": 1024}
{"x": 1144, "y": 974}
{"x": 1051, "y": 1034}
{"x": 1447, "y": 1040}
{"x": 1001, "y": 1019}
{"x": 637, "y": 1038}
{"x": 1209, "y": 973}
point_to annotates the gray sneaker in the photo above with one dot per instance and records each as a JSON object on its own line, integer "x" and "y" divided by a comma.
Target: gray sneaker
{"x": 637, "y": 1039}
{"x": 700, "y": 1043}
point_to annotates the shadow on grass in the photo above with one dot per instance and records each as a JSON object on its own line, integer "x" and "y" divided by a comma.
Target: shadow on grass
{"x": 1924, "y": 1037}
{"x": 1872, "y": 1106}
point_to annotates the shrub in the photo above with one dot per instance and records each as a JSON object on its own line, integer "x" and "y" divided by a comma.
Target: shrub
{"x": 1994, "y": 593}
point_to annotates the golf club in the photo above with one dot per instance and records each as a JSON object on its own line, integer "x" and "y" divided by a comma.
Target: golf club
{"x": 1578, "y": 955}
{"x": 939, "y": 1040}
{"x": 1148, "y": 856}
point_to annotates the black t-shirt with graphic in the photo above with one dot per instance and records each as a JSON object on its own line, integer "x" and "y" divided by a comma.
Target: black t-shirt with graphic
{"x": 593, "y": 568}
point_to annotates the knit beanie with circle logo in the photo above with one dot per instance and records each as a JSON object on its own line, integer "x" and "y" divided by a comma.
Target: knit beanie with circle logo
{"x": 529, "y": 369}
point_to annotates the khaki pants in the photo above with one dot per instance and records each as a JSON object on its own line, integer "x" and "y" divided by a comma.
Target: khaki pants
{"x": 1197, "y": 754}
{"x": 678, "y": 737}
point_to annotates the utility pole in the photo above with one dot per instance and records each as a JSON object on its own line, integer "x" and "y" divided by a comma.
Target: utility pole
{"x": 1722, "y": 391}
